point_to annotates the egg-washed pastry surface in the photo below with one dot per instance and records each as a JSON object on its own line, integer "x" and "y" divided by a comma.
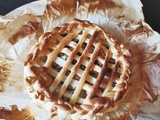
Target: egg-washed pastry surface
{"x": 79, "y": 69}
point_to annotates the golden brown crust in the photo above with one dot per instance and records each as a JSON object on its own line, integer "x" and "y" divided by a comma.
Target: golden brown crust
{"x": 79, "y": 69}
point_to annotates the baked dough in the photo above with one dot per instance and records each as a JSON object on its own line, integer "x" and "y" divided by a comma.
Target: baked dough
{"x": 78, "y": 68}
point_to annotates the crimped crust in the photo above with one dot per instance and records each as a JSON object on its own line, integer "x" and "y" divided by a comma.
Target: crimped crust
{"x": 79, "y": 69}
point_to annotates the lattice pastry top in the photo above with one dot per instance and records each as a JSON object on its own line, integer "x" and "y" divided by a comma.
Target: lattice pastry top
{"x": 78, "y": 68}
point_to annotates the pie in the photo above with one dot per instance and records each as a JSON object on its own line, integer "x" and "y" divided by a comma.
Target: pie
{"x": 77, "y": 68}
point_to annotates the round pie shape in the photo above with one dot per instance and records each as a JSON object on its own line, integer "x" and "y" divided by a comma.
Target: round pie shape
{"x": 79, "y": 69}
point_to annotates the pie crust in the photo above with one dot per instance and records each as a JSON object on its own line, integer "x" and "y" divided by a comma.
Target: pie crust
{"x": 79, "y": 69}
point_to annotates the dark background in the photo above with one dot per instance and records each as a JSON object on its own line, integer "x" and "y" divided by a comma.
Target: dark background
{"x": 151, "y": 10}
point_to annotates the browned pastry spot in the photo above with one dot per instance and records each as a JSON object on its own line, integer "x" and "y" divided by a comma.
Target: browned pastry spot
{"x": 4, "y": 73}
{"x": 27, "y": 29}
{"x": 15, "y": 114}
